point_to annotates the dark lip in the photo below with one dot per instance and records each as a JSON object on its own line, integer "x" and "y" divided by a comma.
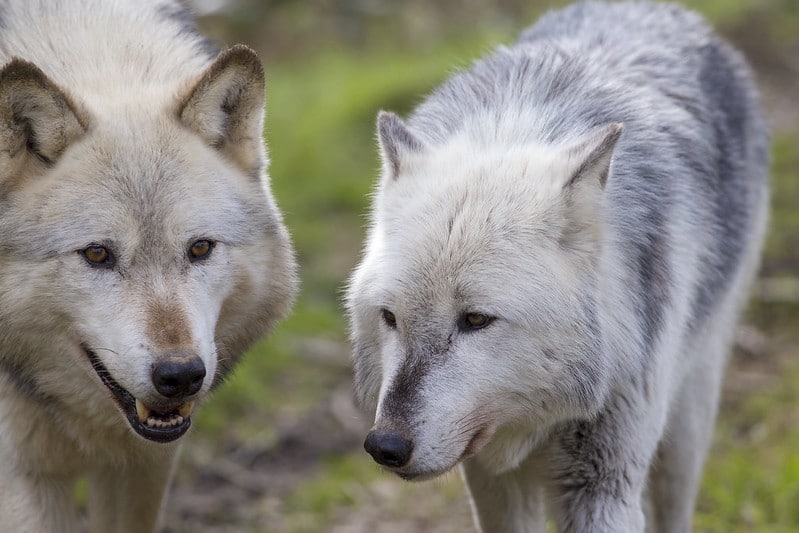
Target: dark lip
{"x": 422, "y": 476}
{"x": 468, "y": 452}
{"x": 127, "y": 403}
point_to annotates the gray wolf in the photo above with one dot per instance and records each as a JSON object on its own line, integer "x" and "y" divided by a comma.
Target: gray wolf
{"x": 141, "y": 253}
{"x": 561, "y": 242}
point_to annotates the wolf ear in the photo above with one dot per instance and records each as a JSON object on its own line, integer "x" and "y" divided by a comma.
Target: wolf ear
{"x": 226, "y": 107}
{"x": 396, "y": 142}
{"x": 592, "y": 155}
{"x": 36, "y": 117}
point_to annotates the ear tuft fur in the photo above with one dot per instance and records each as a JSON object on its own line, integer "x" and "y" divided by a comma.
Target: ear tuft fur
{"x": 226, "y": 107}
{"x": 595, "y": 152}
{"x": 396, "y": 141}
{"x": 36, "y": 117}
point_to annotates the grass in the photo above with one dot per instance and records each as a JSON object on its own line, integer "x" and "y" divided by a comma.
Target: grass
{"x": 782, "y": 245}
{"x": 752, "y": 477}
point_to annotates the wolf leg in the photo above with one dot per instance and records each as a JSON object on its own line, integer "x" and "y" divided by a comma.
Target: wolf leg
{"x": 512, "y": 502}
{"x": 127, "y": 498}
{"x": 599, "y": 468}
{"x": 677, "y": 470}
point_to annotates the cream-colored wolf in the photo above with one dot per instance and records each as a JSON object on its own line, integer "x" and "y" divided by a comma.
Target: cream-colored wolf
{"x": 141, "y": 251}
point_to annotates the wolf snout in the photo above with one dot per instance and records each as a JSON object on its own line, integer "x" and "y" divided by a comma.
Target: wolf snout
{"x": 388, "y": 448}
{"x": 178, "y": 377}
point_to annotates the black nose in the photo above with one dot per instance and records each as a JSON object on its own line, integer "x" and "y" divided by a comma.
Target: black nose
{"x": 177, "y": 378}
{"x": 388, "y": 449}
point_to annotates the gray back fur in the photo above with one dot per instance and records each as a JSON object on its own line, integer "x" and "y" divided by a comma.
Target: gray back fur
{"x": 689, "y": 108}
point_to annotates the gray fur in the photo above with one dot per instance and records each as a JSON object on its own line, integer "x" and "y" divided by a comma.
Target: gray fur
{"x": 625, "y": 348}
{"x": 181, "y": 14}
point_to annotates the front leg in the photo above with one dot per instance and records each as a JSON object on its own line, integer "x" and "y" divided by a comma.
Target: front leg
{"x": 127, "y": 498}
{"x": 512, "y": 502}
{"x": 599, "y": 468}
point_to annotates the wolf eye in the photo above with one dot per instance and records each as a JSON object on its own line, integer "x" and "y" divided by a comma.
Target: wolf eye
{"x": 98, "y": 256}
{"x": 389, "y": 318}
{"x": 200, "y": 250}
{"x": 474, "y": 321}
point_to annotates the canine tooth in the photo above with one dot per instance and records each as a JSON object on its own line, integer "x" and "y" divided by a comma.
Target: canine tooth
{"x": 185, "y": 409}
{"x": 142, "y": 411}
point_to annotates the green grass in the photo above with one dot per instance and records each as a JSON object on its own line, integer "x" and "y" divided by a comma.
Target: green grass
{"x": 782, "y": 245}
{"x": 340, "y": 479}
{"x": 752, "y": 476}
{"x": 347, "y": 484}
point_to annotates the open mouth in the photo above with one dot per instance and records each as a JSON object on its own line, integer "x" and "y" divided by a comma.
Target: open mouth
{"x": 162, "y": 424}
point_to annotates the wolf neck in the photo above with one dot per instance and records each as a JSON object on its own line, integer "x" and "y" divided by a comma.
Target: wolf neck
{"x": 510, "y": 447}
{"x": 516, "y": 96}
{"x": 487, "y": 130}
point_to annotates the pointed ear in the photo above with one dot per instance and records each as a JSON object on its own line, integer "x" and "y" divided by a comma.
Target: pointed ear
{"x": 396, "y": 142}
{"x": 226, "y": 107}
{"x": 593, "y": 154}
{"x": 36, "y": 118}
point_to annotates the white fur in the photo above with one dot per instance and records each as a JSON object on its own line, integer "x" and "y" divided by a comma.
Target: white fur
{"x": 612, "y": 261}
{"x": 521, "y": 200}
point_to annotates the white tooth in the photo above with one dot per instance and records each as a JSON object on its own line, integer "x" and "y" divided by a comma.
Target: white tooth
{"x": 185, "y": 409}
{"x": 151, "y": 422}
{"x": 142, "y": 411}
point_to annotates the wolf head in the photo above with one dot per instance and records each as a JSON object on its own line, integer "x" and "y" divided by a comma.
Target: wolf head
{"x": 473, "y": 309}
{"x": 141, "y": 249}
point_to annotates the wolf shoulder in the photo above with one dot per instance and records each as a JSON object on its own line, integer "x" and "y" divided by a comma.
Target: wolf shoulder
{"x": 695, "y": 134}
{"x": 670, "y": 55}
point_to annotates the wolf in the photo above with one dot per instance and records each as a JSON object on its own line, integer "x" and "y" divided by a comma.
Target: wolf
{"x": 561, "y": 242}
{"x": 141, "y": 250}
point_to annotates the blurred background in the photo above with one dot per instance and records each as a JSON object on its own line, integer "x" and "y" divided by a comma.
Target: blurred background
{"x": 278, "y": 448}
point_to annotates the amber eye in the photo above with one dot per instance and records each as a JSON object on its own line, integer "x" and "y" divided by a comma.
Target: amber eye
{"x": 473, "y": 321}
{"x": 98, "y": 256}
{"x": 200, "y": 250}
{"x": 389, "y": 318}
